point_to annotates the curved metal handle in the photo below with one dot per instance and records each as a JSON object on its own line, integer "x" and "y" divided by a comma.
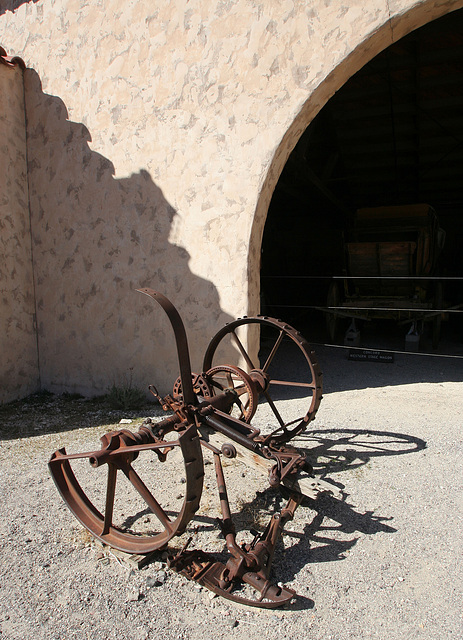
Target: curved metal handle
{"x": 189, "y": 396}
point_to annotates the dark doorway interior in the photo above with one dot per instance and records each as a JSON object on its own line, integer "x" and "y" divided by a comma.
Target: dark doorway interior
{"x": 392, "y": 135}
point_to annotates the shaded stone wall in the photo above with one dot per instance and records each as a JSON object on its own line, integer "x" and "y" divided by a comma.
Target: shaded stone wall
{"x": 156, "y": 134}
{"x": 97, "y": 238}
{"x": 19, "y": 373}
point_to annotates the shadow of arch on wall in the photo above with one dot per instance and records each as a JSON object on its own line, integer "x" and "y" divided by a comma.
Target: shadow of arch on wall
{"x": 96, "y": 239}
{"x": 390, "y": 32}
{"x": 12, "y": 5}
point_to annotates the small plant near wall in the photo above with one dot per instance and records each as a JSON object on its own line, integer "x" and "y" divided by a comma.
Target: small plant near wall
{"x": 126, "y": 396}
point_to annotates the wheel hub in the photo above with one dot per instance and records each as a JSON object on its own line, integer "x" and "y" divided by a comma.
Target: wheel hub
{"x": 261, "y": 379}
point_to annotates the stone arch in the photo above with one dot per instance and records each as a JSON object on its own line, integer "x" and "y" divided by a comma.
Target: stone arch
{"x": 390, "y": 32}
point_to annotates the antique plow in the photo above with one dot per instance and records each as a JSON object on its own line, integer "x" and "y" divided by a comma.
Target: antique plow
{"x": 209, "y": 411}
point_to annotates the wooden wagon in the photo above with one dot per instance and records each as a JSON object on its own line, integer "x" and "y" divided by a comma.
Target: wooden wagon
{"x": 389, "y": 253}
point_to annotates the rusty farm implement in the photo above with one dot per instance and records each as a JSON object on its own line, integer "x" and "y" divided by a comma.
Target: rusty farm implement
{"x": 210, "y": 412}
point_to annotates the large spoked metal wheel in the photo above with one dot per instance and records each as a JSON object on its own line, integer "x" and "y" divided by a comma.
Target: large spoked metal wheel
{"x": 112, "y": 492}
{"x": 285, "y": 372}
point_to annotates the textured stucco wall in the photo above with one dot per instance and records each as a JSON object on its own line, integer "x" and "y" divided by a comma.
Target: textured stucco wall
{"x": 18, "y": 344}
{"x": 157, "y": 132}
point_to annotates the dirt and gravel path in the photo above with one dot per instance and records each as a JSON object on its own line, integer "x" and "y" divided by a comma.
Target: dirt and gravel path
{"x": 384, "y": 562}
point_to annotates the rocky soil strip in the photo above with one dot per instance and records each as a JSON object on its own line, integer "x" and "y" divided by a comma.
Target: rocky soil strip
{"x": 384, "y": 562}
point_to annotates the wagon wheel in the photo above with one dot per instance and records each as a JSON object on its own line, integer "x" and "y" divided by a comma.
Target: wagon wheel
{"x": 332, "y": 318}
{"x": 126, "y": 514}
{"x": 437, "y": 320}
{"x": 285, "y": 372}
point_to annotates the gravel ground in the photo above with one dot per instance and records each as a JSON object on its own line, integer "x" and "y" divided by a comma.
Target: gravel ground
{"x": 384, "y": 562}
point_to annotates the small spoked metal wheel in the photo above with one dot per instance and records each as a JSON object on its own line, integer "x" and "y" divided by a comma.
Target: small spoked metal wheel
{"x": 231, "y": 378}
{"x": 284, "y": 371}
{"x": 114, "y": 492}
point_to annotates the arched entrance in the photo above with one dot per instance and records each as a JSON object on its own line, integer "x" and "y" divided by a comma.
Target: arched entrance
{"x": 391, "y": 135}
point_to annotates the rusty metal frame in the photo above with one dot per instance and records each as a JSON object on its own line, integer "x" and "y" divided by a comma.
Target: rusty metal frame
{"x": 198, "y": 404}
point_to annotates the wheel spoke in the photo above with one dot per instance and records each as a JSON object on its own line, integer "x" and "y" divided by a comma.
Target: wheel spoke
{"x": 110, "y": 493}
{"x": 288, "y": 383}
{"x": 239, "y": 404}
{"x": 273, "y": 352}
{"x": 274, "y": 409}
{"x": 243, "y": 351}
{"x": 147, "y": 496}
{"x": 241, "y": 390}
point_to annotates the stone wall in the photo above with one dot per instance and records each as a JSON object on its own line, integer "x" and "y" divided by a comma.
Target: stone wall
{"x": 156, "y": 134}
{"x": 19, "y": 374}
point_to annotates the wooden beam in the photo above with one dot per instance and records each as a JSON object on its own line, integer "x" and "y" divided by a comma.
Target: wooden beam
{"x": 307, "y": 485}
